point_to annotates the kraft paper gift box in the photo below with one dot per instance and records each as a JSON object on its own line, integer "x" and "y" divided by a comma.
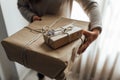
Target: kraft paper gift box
{"x": 59, "y": 37}
{"x": 27, "y": 46}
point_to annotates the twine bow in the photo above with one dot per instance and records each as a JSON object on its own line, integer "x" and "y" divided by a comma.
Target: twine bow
{"x": 62, "y": 30}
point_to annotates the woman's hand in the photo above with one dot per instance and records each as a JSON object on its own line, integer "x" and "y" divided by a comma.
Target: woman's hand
{"x": 90, "y": 36}
{"x": 36, "y": 18}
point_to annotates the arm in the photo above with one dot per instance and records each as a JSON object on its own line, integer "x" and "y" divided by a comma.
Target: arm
{"x": 25, "y": 10}
{"x": 92, "y": 10}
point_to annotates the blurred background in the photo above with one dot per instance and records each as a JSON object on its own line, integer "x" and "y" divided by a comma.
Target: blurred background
{"x": 101, "y": 63}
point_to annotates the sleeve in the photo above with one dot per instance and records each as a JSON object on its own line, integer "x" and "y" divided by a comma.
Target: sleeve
{"x": 25, "y": 10}
{"x": 92, "y": 10}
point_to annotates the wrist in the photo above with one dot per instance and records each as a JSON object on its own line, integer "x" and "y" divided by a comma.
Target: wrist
{"x": 32, "y": 18}
{"x": 96, "y": 30}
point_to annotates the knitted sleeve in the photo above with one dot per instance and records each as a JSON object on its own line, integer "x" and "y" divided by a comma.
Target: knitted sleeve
{"x": 92, "y": 10}
{"x": 25, "y": 10}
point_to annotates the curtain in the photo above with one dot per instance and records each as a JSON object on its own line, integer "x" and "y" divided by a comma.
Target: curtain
{"x": 101, "y": 60}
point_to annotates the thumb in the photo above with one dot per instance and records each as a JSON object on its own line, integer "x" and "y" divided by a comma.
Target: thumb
{"x": 86, "y": 33}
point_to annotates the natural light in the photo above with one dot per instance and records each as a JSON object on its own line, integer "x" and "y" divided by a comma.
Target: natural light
{"x": 100, "y": 62}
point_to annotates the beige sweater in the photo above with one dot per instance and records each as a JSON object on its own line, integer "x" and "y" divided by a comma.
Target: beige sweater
{"x": 60, "y": 7}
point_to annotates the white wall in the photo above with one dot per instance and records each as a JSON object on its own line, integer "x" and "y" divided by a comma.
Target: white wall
{"x": 7, "y": 68}
{"x": 78, "y": 13}
{"x": 13, "y": 19}
{"x": 14, "y": 22}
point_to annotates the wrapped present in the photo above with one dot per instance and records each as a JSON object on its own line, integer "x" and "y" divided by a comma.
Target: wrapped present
{"x": 59, "y": 37}
{"x": 27, "y": 46}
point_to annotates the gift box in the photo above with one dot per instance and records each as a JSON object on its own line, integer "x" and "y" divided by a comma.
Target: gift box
{"x": 59, "y": 37}
{"x": 28, "y": 47}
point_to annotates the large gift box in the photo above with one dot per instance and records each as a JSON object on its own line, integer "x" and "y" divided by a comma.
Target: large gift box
{"x": 28, "y": 47}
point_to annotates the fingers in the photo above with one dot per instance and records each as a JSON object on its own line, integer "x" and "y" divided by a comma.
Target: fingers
{"x": 36, "y": 18}
{"x": 89, "y": 38}
{"x": 84, "y": 46}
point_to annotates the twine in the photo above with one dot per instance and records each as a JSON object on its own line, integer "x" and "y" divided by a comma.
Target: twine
{"x": 45, "y": 29}
{"x": 35, "y": 38}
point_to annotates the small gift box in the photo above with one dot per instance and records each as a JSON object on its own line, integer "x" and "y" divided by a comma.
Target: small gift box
{"x": 59, "y": 37}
